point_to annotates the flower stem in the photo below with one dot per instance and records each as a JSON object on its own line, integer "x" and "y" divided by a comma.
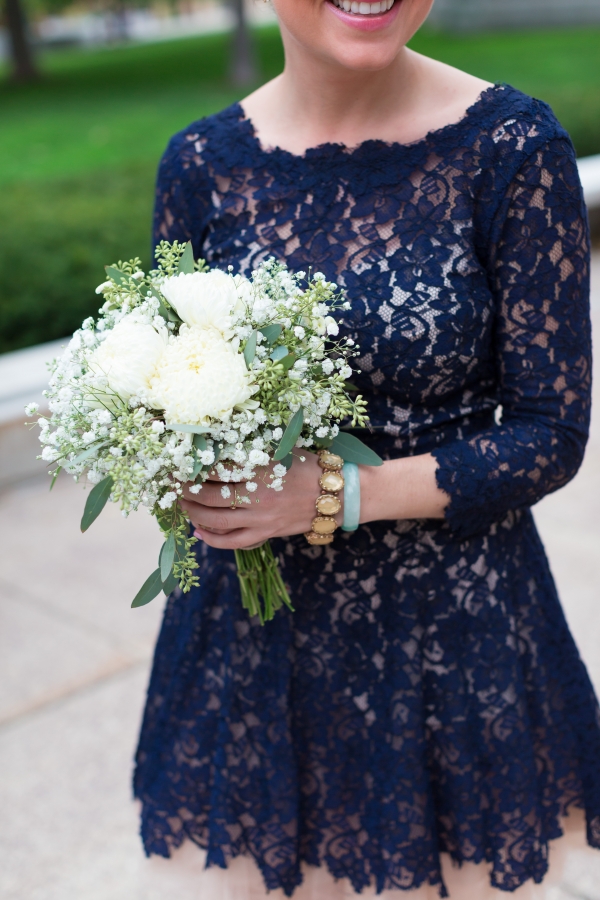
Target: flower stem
{"x": 260, "y": 579}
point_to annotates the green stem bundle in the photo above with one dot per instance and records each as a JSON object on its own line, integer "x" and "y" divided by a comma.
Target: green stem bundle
{"x": 261, "y": 584}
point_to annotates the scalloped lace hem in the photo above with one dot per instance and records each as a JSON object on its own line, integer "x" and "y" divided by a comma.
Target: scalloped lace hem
{"x": 184, "y": 875}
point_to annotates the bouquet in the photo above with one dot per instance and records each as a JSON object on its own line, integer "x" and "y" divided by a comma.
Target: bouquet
{"x": 188, "y": 371}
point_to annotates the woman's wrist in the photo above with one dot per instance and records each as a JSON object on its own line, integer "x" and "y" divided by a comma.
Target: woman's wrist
{"x": 401, "y": 489}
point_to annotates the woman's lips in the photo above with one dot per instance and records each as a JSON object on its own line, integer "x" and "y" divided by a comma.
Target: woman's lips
{"x": 370, "y": 16}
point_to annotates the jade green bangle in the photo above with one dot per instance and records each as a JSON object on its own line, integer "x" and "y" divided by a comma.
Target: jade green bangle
{"x": 351, "y": 497}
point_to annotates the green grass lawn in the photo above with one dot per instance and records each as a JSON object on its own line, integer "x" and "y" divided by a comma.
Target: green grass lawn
{"x": 78, "y": 152}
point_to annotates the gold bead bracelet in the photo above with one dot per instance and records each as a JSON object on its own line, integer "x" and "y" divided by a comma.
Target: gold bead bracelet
{"x": 328, "y": 504}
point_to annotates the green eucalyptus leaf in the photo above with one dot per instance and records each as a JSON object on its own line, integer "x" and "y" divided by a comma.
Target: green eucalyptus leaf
{"x": 217, "y": 451}
{"x": 186, "y": 263}
{"x": 287, "y": 461}
{"x": 55, "y": 475}
{"x": 167, "y": 557}
{"x": 118, "y": 276}
{"x": 352, "y": 449}
{"x": 278, "y": 353}
{"x": 170, "y": 584}
{"x": 271, "y": 333}
{"x": 187, "y": 429}
{"x": 290, "y": 435}
{"x": 96, "y": 502}
{"x": 288, "y": 361}
{"x": 87, "y": 453}
{"x": 250, "y": 349}
{"x": 198, "y": 467}
{"x": 163, "y": 310}
{"x": 200, "y": 442}
{"x": 150, "y": 589}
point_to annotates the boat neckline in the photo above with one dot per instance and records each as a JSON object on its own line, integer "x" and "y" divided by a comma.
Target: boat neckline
{"x": 330, "y": 146}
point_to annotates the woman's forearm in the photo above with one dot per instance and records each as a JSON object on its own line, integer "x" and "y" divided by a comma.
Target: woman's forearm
{"x": 402, "y": 489}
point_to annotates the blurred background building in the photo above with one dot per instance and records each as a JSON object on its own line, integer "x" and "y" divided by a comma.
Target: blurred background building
{"x": 472, "y": 15}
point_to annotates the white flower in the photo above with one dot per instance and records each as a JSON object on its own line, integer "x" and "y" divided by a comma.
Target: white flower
{"x": 322, "y": 432}
{"x": 260, "y": 417}
{"x": 102, "y": 287}
{"x": 168, "y": 500}
{"x": 207, "y": 457}
{"x": 31, "y": 409}
{"x": 279, "y": 471}
{"x": 200, "y": 376}
{"x": 207, "y": 299}
{"x": 299, "y": 332}
{"x": 225, "y": 492}
{"x": 49, "y": 454}
{"x": 332, "y": 326}
{"x": 277, "y": 434}
{"x": 251, "y": 486}
{"x": 158, "y": 427}
{"x": 327, "y": 366}
{"x": 195, "y": 489}
{"x": 319, "y": 325}
{"x": 258, "y": 458}
{"x": 128, "y": 356}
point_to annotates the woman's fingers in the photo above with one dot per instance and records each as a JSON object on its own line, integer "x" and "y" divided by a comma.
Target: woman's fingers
{"x": 211, "y": 495}
{"x": 216, "y": 517}
{"x": 240, "y": 539}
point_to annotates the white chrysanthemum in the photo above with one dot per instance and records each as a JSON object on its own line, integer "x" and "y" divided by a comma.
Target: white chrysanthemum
{"x": 128, "y": 356}
{"x": 200, "y": 377}
{"x": 208, "y": 299}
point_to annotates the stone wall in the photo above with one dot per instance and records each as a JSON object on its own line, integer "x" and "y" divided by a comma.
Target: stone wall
{"x": 469, "y": 15}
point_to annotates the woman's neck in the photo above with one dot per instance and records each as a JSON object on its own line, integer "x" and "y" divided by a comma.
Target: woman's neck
{"x": 329, "y": 102}
{"x": 313, "y": 102}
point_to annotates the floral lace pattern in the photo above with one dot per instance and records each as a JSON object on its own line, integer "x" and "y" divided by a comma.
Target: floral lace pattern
{"x": 426, "y": 696}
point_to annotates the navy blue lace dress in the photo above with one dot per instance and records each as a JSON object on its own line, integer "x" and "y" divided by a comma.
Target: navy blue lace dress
{"x": 426, "y": 696}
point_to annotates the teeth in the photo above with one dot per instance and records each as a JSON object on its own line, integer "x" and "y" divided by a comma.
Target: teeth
{"x": 364, "y": 9}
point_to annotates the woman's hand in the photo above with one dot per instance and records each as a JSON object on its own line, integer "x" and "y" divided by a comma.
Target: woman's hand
{"x": 269, "y": 514}
{"x": 399, "y": 489}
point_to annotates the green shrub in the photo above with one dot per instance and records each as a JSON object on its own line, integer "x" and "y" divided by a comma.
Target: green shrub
{"x": 78, "y": 151}
{"x": 55, "y": 239}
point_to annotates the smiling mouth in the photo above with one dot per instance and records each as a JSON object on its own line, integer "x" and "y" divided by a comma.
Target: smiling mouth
{"x": 364, "y": 9}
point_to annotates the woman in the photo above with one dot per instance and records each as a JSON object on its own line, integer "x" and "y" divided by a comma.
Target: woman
{"x": 425, "y": 703}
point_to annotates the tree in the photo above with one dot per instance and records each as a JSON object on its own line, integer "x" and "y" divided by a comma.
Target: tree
{"x": 243, "y": 69}
{"x": 23, "y": 61}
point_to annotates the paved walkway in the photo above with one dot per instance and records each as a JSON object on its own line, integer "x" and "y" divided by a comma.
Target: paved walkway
{"x": 74, "y": 662}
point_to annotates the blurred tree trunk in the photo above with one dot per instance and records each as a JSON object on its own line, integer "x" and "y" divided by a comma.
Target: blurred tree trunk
{"x": 23, "y": 61}
{"x": 243, "y": 69}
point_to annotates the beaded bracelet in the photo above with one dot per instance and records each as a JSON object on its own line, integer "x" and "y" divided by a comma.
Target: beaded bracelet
{"x": 328, "y": 504}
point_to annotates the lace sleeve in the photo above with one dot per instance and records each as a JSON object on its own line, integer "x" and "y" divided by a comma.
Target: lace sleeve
{"x": 183, "y": 199}
{"x": 539, "y": 272}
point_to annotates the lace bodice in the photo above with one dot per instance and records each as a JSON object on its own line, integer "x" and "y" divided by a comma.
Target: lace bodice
{"x": 426, "y": 695}
{"x": 465, "y": 256}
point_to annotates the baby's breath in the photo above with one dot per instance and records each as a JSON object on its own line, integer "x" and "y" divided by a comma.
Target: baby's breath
{"x": 286, "y": 330}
